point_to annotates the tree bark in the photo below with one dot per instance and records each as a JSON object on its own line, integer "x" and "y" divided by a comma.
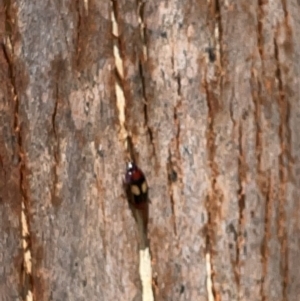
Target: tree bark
{"x": 203, "y": 95}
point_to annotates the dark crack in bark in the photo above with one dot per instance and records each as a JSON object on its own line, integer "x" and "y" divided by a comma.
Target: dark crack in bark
{"x": 26, "y": 277}
{"x": 242, "y": 178}
{"x": 215, "y": 196}
{"x": 284, "y": 172}
{"x": 140, "y": 12}
{"x": 78, "y": 31}
{"x": 267, "y": 235}
{"x": 146, "y": 117}
{"x": 171, "y": 179}
{"x": 260, "y": 38}
{"x": 55, "y": 198}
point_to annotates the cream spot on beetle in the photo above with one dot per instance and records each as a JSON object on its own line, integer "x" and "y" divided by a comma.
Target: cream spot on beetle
{"x": 144, "y": 187}
{"x": 135, "y": 190}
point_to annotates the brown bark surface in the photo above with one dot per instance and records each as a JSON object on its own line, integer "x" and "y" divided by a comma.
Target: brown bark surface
{"x": 212, "y": 117}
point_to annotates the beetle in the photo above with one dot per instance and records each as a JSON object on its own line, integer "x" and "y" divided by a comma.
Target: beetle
{"x": 136, "y": 185}
{"x": 136, "y": 188}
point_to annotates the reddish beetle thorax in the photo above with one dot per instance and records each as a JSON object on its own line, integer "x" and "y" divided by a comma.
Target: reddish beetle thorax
{"x": 136, "y": 174}
{"x": 133, "y": 173}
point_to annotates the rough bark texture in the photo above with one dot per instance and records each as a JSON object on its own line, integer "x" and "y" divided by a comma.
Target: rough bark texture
{"x": 212, "y": 110}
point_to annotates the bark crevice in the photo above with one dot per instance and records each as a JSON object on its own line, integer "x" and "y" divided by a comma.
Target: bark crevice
{"x": 242, "y": 179}
{"x": 267, "y": 235}
{"x": 260, "y": 39}
{"x": 55, "y": 146}
{"x": 78, "y": 31}
{"x": 146, "y": 103}
{"x": 172, "y": 177}
{"x": 143, "y": 37}
{"x": 26, "y": 277}
{"x": 215, "y": 196}
{"x": 284, "y": 170}
{"x": 220, "y": 32}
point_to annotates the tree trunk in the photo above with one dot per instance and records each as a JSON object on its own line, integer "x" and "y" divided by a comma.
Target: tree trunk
{"x": 203, "y": 95}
